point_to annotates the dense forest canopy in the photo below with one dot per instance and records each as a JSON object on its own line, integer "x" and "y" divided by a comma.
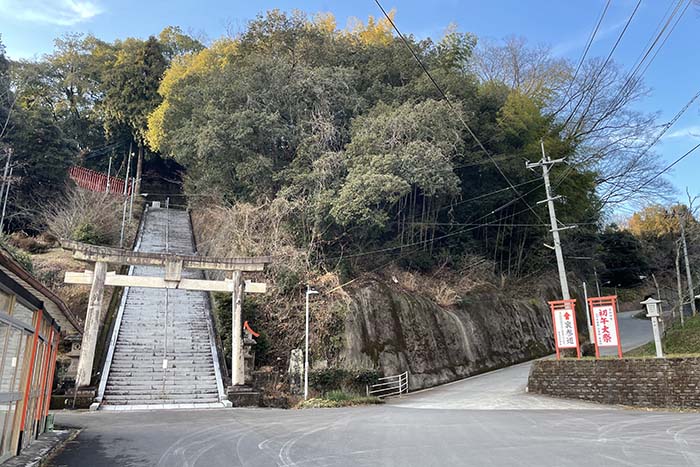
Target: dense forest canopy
{"x": 345, "y": 129}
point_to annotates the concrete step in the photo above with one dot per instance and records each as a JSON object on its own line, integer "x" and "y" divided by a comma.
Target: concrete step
{"x": 136, "y": 347}
{"x": 159, "y": 400}
{"x": 145, "y": 390}
{"x": 177, "y": 375}
{"x": 182, "y": 376}
{"x": 157, "y": 361}
{"x": 156, "y": 354}
{"x": 137, "y": 377}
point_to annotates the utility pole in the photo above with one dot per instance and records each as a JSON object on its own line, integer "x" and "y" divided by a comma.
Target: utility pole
{"x": 680, "y": 285}
{"x": 126, "y": 198}
{"x": 109, "y": 173}
{"x": 588, "y": 315}
{"x": 4, "y": 203}
{"x": 131, "y": 201}
{"x": 546, "y": 164}
{"x": 128, "y": 171}
{"x": 8, "y": 154}
{"x": 687, "y": 267}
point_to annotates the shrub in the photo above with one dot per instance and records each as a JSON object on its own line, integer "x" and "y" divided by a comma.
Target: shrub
{"x": 287, "y": 280}
{"x": 338, "y": 396}
{"x": 329, "y": 380}
{"x": 338, "y": 399}
{"x": 86, "y": 216}
{"x": 23, "y": 258}
{"x": 89, "y": 233}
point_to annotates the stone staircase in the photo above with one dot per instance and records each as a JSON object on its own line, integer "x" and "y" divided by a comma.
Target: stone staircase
{"x": 164, "y": 354}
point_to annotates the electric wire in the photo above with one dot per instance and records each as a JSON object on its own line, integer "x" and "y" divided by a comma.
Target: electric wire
{"x": 476, "y": 224}
{"x": 605, "y": 63}
{"x": 588, "y": 47}
{"x": 665, "y": 128}
{"x": 634, "y": 75}
{"x": 449, "y": 103}
{"x": 665, "y": 21}
{"x": 666, "y": 169}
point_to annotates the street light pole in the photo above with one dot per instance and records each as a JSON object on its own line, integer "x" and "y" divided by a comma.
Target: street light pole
{"x": 309, "y": 291}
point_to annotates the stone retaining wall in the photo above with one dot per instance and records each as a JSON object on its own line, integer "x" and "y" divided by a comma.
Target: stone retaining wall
{"x": 651, "y": 382}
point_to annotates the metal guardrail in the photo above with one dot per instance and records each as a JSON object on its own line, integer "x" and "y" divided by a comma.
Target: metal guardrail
{"x": 395, "y": 385}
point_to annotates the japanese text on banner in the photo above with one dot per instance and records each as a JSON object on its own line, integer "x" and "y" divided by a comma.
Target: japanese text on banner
{"x": 605, "y": 325}
{"x": 566, "y": 334}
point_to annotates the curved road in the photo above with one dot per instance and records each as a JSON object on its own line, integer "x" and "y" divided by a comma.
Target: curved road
{"x": 484, "y": 420}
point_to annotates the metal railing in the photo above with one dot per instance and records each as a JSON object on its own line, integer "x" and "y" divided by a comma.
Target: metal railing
{"x": 395, "y": 385}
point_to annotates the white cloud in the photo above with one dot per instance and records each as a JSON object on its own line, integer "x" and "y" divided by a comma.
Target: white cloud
{"x": 692, "y": 131}
{"x": 58, "y": 12}
{"x": 577, "y": 44}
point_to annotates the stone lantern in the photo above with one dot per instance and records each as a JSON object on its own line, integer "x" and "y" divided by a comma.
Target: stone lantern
{"x": 652, "y": 306}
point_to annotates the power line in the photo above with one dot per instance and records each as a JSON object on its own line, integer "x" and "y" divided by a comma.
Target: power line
{"x": 486, "y": 195}
{"x": 652, "y": 43}
{"x": 588, "y": 46}
{"x": 492, "y": 224}
{"x": 666, "y": 38}
{"x": 667, "y": 168}
{"x": 447, "y": 235}
{"x": 658, "y": 137}
{"x": 605, "y": 63}
{"x": 449, "y": 103}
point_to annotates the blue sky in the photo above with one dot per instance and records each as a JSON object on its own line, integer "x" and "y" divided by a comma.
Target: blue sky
{"x": 28, "y": 28}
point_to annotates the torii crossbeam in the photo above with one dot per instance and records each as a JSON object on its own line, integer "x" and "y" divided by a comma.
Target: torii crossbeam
{"x": 173, "y": 264}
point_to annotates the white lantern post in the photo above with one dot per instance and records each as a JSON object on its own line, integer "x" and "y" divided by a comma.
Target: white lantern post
{"x": 652, "y": 306}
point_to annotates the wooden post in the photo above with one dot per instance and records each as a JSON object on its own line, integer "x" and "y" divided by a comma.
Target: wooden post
{"x": 92, "y": 324}
{"x": 237, "y": 370}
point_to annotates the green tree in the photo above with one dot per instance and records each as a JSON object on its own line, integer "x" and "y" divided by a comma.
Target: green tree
{"x": 623, "y": 257}
{"x": 130, "y": 87}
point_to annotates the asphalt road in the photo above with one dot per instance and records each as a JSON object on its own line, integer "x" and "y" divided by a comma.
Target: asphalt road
{"x": 484, "y": 420}
{"x": 384, "y": 435}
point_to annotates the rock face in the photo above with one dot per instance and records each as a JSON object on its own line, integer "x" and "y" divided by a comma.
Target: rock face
{"x": 395, "y": 331}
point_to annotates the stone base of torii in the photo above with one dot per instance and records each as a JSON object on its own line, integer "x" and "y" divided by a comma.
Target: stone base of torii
{"x": 173, "y": 264}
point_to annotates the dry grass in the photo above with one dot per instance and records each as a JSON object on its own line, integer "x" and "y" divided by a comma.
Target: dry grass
{"x": 49, "y": 268}
{"x": 444, "y": 285}
{"x": 86, "y": 216}
{"x": 248, "y": 230}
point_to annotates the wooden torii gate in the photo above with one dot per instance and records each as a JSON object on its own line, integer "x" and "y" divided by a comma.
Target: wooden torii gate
{"x": 173, "y": 264}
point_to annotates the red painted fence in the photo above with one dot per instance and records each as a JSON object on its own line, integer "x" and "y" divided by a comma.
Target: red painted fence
{"x": 97, "y": 181}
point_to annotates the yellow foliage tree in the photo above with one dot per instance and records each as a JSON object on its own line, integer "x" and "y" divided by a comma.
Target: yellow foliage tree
{"x": 658, "y": 221}
{"x": 183, "y": 67}
{"x": 325, "y": 22}
{"x": 375, "y": 32}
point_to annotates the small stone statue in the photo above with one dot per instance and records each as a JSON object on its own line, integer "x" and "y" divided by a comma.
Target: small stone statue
{"x": 296, "y": 371}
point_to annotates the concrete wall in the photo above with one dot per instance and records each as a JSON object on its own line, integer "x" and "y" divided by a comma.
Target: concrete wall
{"x": 395, "y": 331}
{"x": 652, "y": 382}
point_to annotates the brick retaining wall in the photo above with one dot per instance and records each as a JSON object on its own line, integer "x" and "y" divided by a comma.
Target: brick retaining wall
{"x": 651, "y": 382}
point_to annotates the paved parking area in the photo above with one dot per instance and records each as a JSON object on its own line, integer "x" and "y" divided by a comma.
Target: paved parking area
{"x": 382, "y": 435}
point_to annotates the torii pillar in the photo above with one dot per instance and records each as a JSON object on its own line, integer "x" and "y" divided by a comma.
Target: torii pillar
{"x": 173, "y": 264}
{"x": 237, "y": 364}
{"x": 92, "y": 325}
